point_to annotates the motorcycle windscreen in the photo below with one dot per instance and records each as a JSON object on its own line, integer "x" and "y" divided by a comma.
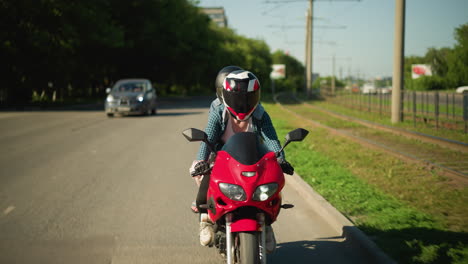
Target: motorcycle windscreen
{"x": 246, "y": 147}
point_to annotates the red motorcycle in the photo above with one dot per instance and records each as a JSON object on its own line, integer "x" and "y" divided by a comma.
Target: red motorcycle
{"x": 244, "y": 193}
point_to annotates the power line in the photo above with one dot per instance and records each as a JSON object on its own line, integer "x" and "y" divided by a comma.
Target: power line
{"x": 309, "y": 36}
{"x": 295, "y": 1}
{"x": 302, "y": 26}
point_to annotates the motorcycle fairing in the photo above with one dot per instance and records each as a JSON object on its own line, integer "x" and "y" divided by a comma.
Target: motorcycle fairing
{"x": 229, "y": 170}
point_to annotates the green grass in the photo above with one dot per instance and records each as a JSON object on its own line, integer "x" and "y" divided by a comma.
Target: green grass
{"x": 411, "y": 146}
{"x": 407, "y": 124}
{"x": 413, "y": 214}
{"x": 374, "y": 102}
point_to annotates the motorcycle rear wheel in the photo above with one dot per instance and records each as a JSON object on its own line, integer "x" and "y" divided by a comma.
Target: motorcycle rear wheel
{"x": 248, "y": 248}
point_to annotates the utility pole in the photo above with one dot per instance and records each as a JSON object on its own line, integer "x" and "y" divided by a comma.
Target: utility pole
{"x": 332, "y": 89}
{"x": 309, "y": 40}
{"x": 309, "y": 52}
{"x": 306, "y": 59}
{"x": 333, "y": 77}
{"x": 398, "y": 60}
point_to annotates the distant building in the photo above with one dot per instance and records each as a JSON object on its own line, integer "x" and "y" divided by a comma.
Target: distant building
{"x": 217, "y": 15}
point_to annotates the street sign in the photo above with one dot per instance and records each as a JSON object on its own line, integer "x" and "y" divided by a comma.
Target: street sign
{"x": 278, "y": 71}
{"x": 418, "y": 70}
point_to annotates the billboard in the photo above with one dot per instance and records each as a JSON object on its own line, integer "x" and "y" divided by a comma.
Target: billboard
{"x": 418, "y": 70}
{"x": 278, "y": 71}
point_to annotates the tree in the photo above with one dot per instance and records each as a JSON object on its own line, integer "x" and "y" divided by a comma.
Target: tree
{"x": 84, "y": 45}
{"x": 457, "y": 60}
{"x": 49, "y": 41}
{"x": 438, "y": 60}
{"x": 294, "y": 80}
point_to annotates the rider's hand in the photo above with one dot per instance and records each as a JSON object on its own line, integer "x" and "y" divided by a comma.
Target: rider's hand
{"x": 286, "y": 167}
{"x": 201, "y": 168}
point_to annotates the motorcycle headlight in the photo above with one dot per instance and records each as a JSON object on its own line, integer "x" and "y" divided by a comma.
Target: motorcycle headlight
{"x": 263, "y": 192}
{"x": 140, "y": 98}
{"x": 233, "y": 192}
{"x": 110, "y": 98}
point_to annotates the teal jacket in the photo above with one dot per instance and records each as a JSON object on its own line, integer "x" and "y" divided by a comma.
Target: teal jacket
{"x": 217, "y": 122}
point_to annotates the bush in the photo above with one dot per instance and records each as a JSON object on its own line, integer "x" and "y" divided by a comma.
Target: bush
{"x": 427, "y": 83}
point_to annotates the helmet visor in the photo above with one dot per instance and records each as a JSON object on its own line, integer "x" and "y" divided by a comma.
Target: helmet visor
{"x": 241, "y": 103}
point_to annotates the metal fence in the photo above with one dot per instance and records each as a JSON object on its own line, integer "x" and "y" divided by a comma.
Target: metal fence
{"x": 438, "y": 109}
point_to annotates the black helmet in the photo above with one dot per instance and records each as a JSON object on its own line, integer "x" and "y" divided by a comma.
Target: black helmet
{"x": 241, "y": 93}
{"x": 220, "y": 78}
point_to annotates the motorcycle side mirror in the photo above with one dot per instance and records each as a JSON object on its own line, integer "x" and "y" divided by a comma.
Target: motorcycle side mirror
{"x": 297, "y": 134}
{"x": 193, "y": 135}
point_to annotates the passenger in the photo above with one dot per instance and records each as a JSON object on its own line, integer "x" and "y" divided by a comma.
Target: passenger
{"x": 236, "y": 109}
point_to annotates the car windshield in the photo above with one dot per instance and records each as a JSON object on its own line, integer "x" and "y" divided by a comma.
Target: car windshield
{"x": 132, "y": 87}
{"x": 246, "y": 147}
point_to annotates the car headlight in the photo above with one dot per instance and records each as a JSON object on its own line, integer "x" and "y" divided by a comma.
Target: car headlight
{"x": 263, "y": 192}
{"x": 110, "y": 98}
{"x": 232, "y": 191}
{"x": 140, "y": 97}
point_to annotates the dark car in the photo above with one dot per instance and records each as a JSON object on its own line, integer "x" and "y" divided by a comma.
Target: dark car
{"x": 131, "y": 96}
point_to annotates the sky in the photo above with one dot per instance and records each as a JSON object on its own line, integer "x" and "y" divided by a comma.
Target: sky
{"x": 359, "y": 34}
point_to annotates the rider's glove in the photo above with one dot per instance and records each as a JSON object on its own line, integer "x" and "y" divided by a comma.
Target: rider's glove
{"x": 201, "y": 168}
{"x": 286, "y": 167}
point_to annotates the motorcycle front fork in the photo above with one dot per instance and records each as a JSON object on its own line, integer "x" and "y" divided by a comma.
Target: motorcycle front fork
{"x": 262, "y": 248}
{"x": 230, "y": 239}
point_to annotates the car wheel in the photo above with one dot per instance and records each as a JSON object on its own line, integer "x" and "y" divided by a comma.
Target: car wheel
{"x": 110, "y": 115}
{"x": 154, "y": 111}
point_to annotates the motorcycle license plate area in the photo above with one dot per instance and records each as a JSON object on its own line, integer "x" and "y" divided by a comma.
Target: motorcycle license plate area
{"x": 124, "y": 109}
{"x": 245, "y": 225}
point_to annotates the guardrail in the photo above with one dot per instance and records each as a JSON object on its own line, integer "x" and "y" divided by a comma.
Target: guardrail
{"x": 438, "y": 109}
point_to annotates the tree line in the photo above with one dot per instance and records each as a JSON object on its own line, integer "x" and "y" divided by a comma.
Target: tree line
{"x": 76, "y": 48}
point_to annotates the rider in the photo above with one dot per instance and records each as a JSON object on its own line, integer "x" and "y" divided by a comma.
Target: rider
{"x": 237, "y": 109}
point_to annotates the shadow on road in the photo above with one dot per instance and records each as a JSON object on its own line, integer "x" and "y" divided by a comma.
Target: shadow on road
{"x": 307, "y": 252}
{"x": 408, "y": 244}
{"x": 159, "y": 114}
{"x": 202, "y": 102}
{"x": 178, "y": 113}
{"x": 186, "y": 102}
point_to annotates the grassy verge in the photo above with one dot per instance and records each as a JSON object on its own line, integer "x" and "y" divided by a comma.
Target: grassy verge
{"x": 409, "y": 145}
{"x": 408, "y": 124}
{"x": 413, "y": 214}
{"x": 374, "y": 101}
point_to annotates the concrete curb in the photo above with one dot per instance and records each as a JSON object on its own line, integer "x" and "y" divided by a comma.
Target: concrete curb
{"x": 338, "y": 221}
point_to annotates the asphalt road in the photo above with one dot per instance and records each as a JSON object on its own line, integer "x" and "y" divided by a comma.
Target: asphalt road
{"x": 78, "y": 187}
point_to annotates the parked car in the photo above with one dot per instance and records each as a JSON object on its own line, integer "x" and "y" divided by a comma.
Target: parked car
{"x": 368, "y": 88}
{"x": 131, "y": 96}
{"x": 355, "y": 88}
{"x": 385, "y": 90}
{"x": 462, "y": 89}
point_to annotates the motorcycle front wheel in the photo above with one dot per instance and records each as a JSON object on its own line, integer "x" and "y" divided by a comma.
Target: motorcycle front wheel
{"x": 248, "y": 248}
